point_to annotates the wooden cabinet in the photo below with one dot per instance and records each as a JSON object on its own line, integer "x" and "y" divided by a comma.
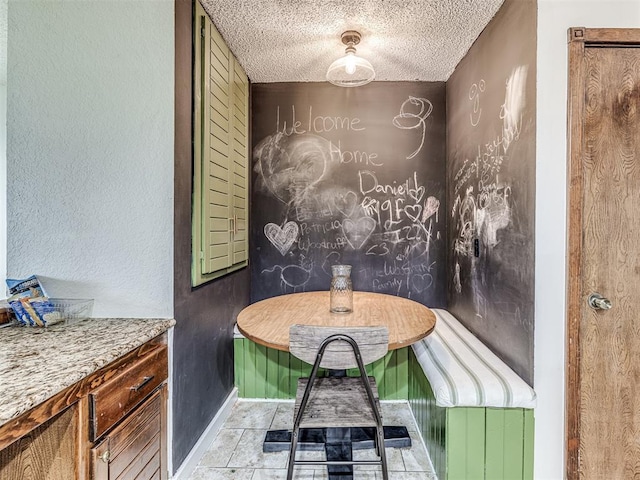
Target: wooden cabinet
{"x": 45, "y": 452}
{"x": 109, "y": 425}
{"x": 136, "y": 448}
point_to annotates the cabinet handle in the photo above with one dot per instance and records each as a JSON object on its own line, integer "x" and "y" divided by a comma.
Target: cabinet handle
{"x": 144, "y": 381}
{"x": 105, "y": 456}
{"x": 235, "y": 224}
{"x": 232, "y": 225}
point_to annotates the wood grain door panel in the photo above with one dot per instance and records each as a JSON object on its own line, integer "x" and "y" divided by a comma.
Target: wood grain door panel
{"x": 603, "y": 374}
{"x": 610, "y": 346}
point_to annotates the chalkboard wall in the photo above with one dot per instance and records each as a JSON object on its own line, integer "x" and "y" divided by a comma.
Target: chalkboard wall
{"x": 349, "y": 175}
{"x": 491, "y": 185}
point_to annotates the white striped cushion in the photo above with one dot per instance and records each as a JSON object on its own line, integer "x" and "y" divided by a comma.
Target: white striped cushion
{"x": 463, "y": 372}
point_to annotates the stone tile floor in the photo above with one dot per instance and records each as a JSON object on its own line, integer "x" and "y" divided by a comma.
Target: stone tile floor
{"x": 236, "y": 453}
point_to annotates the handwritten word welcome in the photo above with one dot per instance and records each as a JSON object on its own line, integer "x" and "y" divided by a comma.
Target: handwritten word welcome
{"x": 316, "y": 124}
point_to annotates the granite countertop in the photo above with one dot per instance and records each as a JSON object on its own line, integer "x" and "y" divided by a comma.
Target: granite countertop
{"x": 37, "y": 363}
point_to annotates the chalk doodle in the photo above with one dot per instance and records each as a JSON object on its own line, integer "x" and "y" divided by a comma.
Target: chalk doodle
{"x": 282, "y": 238}
{"x": 474, "y": 95}
{"x": 431, "y": 207}
{"x": 292, "y": 277}
{"x": 408, "y": 120}
{"x": 290, "y": 166}
{"x": 513, "y": 106}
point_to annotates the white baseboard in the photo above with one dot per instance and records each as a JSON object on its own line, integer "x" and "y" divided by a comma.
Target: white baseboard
{"x": 206, "y": 439}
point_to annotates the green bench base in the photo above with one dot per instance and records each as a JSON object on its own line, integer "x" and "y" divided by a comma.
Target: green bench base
{"x": 262, "y": 372}
{"x": 464, "y": 443}
{"x": 468, "y": 443}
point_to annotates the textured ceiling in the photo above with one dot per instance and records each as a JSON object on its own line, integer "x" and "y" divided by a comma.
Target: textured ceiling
{"x": 296, "y": 40}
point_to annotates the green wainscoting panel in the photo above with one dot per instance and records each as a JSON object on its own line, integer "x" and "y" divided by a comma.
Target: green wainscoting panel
{"x": 273, "y": 374}
{"x": 505, "y": 440}
{"x": 262, "y": 372}
{"x": 238, "y": 360}
{"x": 467, "y": 443}
{"x": 431, "y": 419}
{"x": 527, "y": 455}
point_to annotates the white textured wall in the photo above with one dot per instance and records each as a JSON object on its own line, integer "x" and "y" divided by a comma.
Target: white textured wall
{"x": 3, "y": 137}
{"x": 554, "y": 18}
{"x": 90, "y": 150}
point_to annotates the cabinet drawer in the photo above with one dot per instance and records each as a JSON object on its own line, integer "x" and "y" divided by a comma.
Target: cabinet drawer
{"x": 119, "y": 395}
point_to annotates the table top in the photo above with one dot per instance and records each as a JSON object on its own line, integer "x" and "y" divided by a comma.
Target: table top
{"x": 267, "y": 322}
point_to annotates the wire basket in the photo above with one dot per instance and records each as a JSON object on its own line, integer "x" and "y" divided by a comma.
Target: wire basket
{"x": 72, "y": 309}
{"x": 44, "y": 312}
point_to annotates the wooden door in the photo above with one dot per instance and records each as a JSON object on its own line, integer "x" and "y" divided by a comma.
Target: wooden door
{"x": 603, "y": 370}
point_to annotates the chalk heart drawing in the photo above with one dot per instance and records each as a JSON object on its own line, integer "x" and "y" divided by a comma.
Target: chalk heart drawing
{"x": 417, "y": 193}
{"x": 421, "y": 282}
{"x": 413, "y": 212}
{"x": 346, "y": 203}
{"x": 358, "y": 231}
{"x": 282, "y": 238}
{"x": 431, "y": 206}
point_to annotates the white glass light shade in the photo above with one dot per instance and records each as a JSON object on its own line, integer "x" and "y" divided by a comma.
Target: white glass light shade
{"x": 350, "y": 71}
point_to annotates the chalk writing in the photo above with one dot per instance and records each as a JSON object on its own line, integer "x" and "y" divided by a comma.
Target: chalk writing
{"x": 316, "y": 124}
{"x": 353, "y": 156}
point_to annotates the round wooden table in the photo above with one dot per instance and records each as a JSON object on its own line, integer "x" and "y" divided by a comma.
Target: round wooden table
{"x": 267, "y": 322}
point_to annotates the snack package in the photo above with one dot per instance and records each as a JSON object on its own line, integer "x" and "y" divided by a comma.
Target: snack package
{"x": 30, "y": 304}
{"x": 45, "y": 311}
{"x": 21, "y": 315}
{"x": 30, "y": 285}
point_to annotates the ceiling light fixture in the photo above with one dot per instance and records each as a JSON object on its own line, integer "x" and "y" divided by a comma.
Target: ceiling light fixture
{"x": 350, "y": 70}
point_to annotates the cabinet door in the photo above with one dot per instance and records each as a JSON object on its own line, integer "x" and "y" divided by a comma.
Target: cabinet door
{"x": 46, "y": 453}
{"x": 135, "y": 449}
{"x": 100, "y": 461}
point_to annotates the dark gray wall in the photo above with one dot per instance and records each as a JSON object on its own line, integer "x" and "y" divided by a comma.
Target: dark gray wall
{"x": 349, "y": 175}
{"x": 491, "y": 102}
{"x": 203, "y": 338}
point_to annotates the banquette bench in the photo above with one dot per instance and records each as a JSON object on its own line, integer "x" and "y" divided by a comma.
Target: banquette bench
{"x": 474, "y": 413}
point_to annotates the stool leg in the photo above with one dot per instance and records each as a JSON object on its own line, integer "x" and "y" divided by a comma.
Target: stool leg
{"x": 292, "y": 452}
{"x": 383, "y": 454}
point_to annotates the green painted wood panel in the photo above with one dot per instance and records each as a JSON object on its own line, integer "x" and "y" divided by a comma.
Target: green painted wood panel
{"x": 238, "y": 366}
{"x": 505, "y": 440}
{"x": 401, "y": 366}
{"x": 260, "y": 380}
{"x": 527, "y": 455}
{"x": 273, "y": 374}
{"x": 465, "y": 443}
{"x": 430, "y": 418}
{"x": 250, "y": 369}
{"x": 262, "y": 372}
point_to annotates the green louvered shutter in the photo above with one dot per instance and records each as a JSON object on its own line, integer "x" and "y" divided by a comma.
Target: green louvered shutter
{"x": 220, "y": 204}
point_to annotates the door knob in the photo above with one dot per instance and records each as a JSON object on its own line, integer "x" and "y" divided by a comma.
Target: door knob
{"x": 598, "y": 302}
